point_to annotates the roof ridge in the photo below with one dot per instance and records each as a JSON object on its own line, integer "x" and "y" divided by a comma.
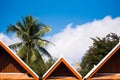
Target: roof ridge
{"x": 57, "y": 63}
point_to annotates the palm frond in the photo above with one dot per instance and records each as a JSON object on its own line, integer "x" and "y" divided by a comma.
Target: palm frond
{"x": 33, "y": 56}
{"x": 35, "y": 21}
{"x": 42, "y": 31}
{"x": 44, "y": 41}
{"x": 38, "y": 55}
{"x": 19, "y": 24}
{"x": 12, "y": 28}
{"x": 22, "y": 52}
{"x": 44, "y": 51}
{"x": 15, "y": 45}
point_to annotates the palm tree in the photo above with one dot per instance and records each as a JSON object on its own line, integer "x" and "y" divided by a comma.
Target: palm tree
{"x": 32, "y": 45}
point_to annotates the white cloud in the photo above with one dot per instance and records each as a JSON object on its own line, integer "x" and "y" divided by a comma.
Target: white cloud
{"x": 5, "y": 39}
{"x": 72, "y": 43}
{"x": 8, "y": 40}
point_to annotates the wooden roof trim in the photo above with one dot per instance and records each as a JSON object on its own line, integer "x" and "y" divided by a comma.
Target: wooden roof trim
{"x": 26, "y": 67}
{"x": 115, "y": 76}
{"x": 102, "y": 62}
{"x": 15, "y": 76}
{"x": 52, "y": 68}
{"x": 56, "y": 64}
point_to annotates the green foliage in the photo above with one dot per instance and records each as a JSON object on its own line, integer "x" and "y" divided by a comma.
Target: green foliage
{"x": 40, "y": 68}
{"x": 99, "y": 49}
{"x": 31, "y": 49}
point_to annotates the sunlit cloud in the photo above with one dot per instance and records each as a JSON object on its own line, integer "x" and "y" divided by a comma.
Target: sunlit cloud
{"x": 72, "y": 43}
{"x": 7, "y": 40}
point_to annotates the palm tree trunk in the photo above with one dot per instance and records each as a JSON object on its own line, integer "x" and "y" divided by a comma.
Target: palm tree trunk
{"x": 27, "y": 58}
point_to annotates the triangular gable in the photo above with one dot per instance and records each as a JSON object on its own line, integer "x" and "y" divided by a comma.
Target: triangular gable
{"x": 109, "y": 65}
{"x": 10, "y": 54}
{"x": 61, "y": 69}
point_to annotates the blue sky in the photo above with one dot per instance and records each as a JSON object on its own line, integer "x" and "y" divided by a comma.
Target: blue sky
{"x": 57, "y": 13}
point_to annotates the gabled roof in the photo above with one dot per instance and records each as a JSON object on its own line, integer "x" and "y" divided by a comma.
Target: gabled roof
{"x": 18, "y": 60}
{"x": 60, "y": 61}
{"x": 102, "y": 62}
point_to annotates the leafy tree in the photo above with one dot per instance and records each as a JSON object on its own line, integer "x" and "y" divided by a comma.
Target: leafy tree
{"x": 99, "y": 49}
{"x": 31, "y": 49}
{"x": 39, "y": 68}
